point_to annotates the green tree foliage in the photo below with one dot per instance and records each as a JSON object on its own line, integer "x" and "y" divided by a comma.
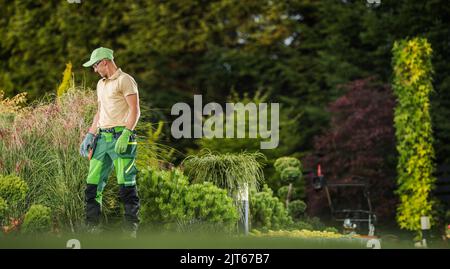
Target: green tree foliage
{"x": 38, "y": 219}
{"x": 267, "y": 211}
{"x": 412, "y": 86}
{"x": 359, "y": 40}
{"x": 288, "y": 120}
{"x": 299, "y": 49}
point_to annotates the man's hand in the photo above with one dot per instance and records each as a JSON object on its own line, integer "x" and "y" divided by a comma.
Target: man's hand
{"x": 122, "y": 141}
{"x": 87, "y": 142}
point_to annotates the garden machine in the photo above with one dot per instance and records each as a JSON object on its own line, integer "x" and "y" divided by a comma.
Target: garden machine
{"x": 350, "y": 211}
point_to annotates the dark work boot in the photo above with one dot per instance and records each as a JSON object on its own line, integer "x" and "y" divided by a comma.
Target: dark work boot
{"x": 130, "y": 199}
{"x": 93, "y": 210}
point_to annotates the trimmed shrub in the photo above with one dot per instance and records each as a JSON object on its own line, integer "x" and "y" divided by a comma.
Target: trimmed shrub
{"x": 267, "y": 211}
{"x": 168, "y": 200}
{"x": 290, "y": 171}
{"x": 13, "y": 189}
{"x": 291, "y": 174}
{"x": 37, "y": 220}
{"x": 297, "y": 209}
{"x": 209, "y": 204}
{"x": 285, "y": 162}
{"x": 162, "y": 196}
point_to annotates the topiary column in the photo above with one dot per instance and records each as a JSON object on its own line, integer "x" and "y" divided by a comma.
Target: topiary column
{"x": 290, "y": 170}
{"x": 412, "y": 86}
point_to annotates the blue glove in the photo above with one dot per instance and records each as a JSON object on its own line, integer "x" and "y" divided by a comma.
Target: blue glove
{"x": 87, "y": 142}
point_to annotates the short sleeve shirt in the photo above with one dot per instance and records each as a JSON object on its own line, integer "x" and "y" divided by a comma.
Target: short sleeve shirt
{"x": 111, "y": 93}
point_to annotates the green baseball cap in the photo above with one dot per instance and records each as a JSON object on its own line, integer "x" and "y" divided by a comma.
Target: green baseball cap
{"x": 99, "y": 54}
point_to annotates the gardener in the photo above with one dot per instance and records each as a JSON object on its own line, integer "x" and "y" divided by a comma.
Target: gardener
{"x": 111, "y": 140}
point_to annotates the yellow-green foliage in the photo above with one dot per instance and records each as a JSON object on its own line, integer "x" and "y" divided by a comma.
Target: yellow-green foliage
{"x": 12, "y": 105}
{"x": 297, "y": 234}
{"x": 267, "y": 211}
{"x": 285, "y": 162}
{"x": 37, "y": 220}
{"x": 65, "y": 83}
{"x": 13, "y": 189}
{"x": 3, "y": 209}
{"x": 412, "y": 85}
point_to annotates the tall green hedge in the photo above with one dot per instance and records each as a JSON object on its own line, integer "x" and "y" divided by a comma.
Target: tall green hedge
{"x": 412, "y": 86}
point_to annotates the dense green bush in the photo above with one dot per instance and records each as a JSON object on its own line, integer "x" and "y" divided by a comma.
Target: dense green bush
{"x": 13, "y": 189}
{"x": 167, "y": 199}
{"x": 37, "y": 220}
{"x": 209, "y": 204}
{"x": 267, "y": 211}
{"x": 162, "y": 196}
{"x": 297, "y": 209}
{"x": 3, "y": 210}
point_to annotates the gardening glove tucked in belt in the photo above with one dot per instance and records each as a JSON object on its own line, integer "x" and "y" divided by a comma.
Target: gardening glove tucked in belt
{"x": 87, "y": 142}
{"x": 122, "y": 141}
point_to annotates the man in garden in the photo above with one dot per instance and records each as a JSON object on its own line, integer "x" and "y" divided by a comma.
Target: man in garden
{"x": 111, "y": 140}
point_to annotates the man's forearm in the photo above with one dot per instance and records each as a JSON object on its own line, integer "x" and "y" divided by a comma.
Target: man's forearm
{"x": 133, "y": 119}
{"x": 93, "y": 128}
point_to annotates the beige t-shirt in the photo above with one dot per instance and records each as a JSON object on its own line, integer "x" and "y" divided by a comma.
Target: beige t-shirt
{"x": 111, "y": 94}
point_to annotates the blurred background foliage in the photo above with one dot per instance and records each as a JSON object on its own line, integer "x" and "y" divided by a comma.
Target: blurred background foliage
{"x": 295, "y": 52}
{"x": 300, "y": 50}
